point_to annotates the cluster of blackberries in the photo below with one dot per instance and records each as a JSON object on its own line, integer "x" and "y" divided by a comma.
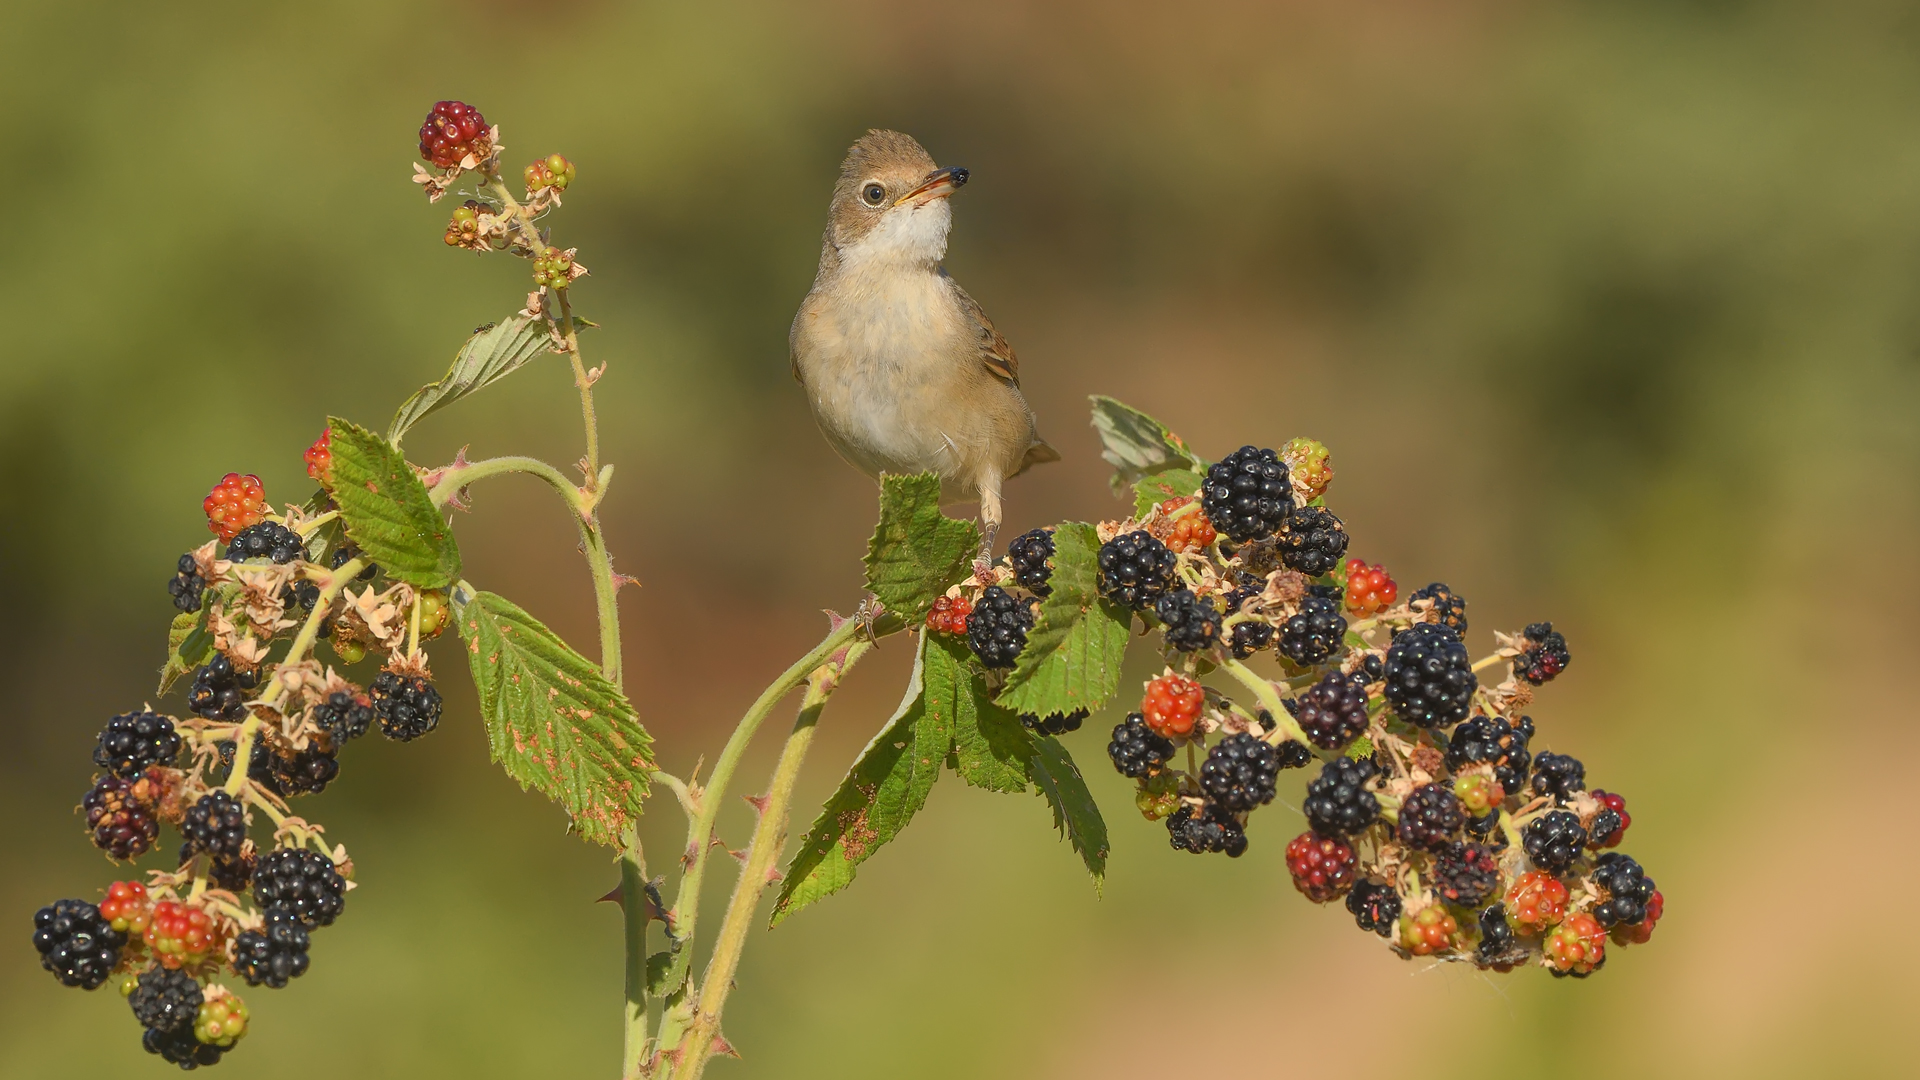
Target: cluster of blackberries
{"x": 997, "y": 629}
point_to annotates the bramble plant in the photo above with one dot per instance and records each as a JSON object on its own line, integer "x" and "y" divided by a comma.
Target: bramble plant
{"x": 1430, "y": 815}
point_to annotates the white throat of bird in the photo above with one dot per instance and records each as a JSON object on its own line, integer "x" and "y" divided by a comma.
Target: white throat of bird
{"x": 908, "y": 237}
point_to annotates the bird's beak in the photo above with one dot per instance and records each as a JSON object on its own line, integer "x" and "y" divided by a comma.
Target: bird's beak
{"x": 939, "y": 184}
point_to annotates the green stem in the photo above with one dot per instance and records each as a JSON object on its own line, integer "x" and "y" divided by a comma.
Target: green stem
{"x": 1269, "y": 700}
{"x": 633, "y": 903}
{"x": 769, "y": 839}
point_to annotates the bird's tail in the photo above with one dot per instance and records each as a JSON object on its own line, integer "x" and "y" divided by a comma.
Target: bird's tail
{"x": 1038, "y": 454}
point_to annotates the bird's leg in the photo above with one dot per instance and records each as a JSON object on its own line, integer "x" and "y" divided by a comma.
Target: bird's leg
{"x": 989, "y": 526}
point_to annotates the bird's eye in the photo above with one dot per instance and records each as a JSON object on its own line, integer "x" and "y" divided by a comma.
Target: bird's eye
{"x": 873, "y": 194}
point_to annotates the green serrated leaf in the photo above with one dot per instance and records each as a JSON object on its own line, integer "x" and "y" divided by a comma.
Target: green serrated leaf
{"x": 916, "y": 551}
{"x": 1360, "y": 748}
{"x": 188, "y": 646}
{"x": 1162, "y": 486}
{"x": 1137, "y": 445}
{"x": 1075, "y": 813}
{"x": 387, "y": 511}
{"x": 488, "y": 356}
{"x": 1073, "y": 654}
{"x": 659, "y": 966}
{"x": 990, "y": 748}
{"x": 553, "y": 720}
{"x": 887, "y": 785}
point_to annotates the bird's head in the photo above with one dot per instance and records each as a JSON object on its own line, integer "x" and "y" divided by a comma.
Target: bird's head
{"x": 890, "y": 205}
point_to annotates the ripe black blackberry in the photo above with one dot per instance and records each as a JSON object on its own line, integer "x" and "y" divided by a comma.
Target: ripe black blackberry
{"x": 1465, "y": 874}
{"x": 344, "y": 716}
{"x": 133, "y": 741}
{"x": 1375, "y": 906}
{"x": 1544, "y": 655}
{"x": 1135, "y": 569}
{"x": 181, "y": 1048}
{"x": 275, "y": 953}
{"x": 303, "y": 882}
{"x": 1604, "y": 824}
{"x": 119, "y": 822}
{"x": 1628, "y": 890}
{"x": 1250, "y": 637}
{"x": 1054, "y": 723}
{"x": 216, "y": 824}
{"x": 1333, "y": 711}
{"x": 219, "y": 690}
{"x": 1493, "y": 741}
{"x": 1451, "y": 609}
{"x": 1553, "y": 840}
{"x": 1028, "y": 554}
{"x": 997, "y": 629}
{"x": 1430, "y": 680}
{"x": 1211, "y": 830}
{"x": 75, "y": 943}
{"x": 1372, "y": 670}
{"x": 1239, "y": 772}
{"x": 266, "y": 540}
{"x": 1294, "y": 754}
{"x": 1558, "y": 775}
{"x": 1430, "y": 816}
{"x": 1312, "y": 541}
{"x": 1192, "y": 624}
{"x": 407, "y": 706}
{"x": 347, "y": 552}
{"x": 304, "y": 772}
{"x": 1247, "y": 494}
{"x": 187, "y": 584}
{"x": 1315, "y": 633}
{"x": 165, "y": 999}
{"x": 229, "y": 874}
{"x": 1486, "y": 830}
{"x": 1337, "y": 802}
{"x": 1136, "y": 749}
{"x": 1498, "y": 946}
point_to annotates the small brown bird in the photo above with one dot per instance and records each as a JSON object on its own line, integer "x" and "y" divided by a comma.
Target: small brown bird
{"x": 903, "y": 370}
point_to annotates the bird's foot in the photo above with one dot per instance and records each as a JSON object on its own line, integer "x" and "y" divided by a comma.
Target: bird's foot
{"x": 864, "y": 614}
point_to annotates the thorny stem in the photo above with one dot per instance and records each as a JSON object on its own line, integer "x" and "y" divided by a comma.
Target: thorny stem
{"x": 769, "y": 838}
{"x": 633, "y": 905}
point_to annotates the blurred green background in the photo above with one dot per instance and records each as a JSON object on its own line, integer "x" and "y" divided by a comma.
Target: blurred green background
{"x": 1606, "y": 309}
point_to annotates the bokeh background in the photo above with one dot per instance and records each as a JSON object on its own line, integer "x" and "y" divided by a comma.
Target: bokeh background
{"x": 1606, "y": 309}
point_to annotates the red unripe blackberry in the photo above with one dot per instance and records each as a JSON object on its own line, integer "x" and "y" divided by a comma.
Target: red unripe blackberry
{"x": 1309, "y": 466}
{"x": 1429, "y": 932}
{"x": 1375, "y": 906}
{"x": 1315, "y": 633}
{"x": 1536, "y": 900}
{"x": 181, "y": 1048}
{"x": 76, "y": 943}
{"x": 1210, "y": 830}
{"x": 187, "y": 585}
{"x": 1338, "y": 802}
{"x": 222, "y": 1020}
{"x": 1465, "y": 874}
{"x": 1641, "y": 932}
{"x": 1576, "y": 947}
{"x": 1054, "y": 723}
{"x": 1136, "y": 750}
{"x": 1333, "y": 712}
{"x": 1478, "y": 793}
{"x": 127, "y": 908}
{"x": 1370, "y": 589}
{"x": 119, "y": 821}
{"x": 1135, "y": 569}
{"x": 165, "y": 999}
{"x": 1442, "y": 601}
{"x": 453, "y": 130}
{"x": 275, "y": 953}
{"x": 319, "y": 458}
{"x": 1192, "y": 624}
{"x": 1239, "y": 772}
{"x": 344, "y": 716}
{"x": 407, "y": 706}
{"x": 1544, "y": 655}
{"x": 1430, "y": 680}
{"x": 1430, "y": 816}
{"x": 949, "y": 615}
{"x": 1611, "y": 803}
{"x": 1172, "y": 705}
{"x": 1558, "y": 775}
{"x": 234, "y": 503}
{"x": 216, "y": 823}
{"x": 181, "y": 936}
{"x": 133, "y": 741}
{"x": 220, "y": 690}
{"x": 1322, "y": 866}
{"x": 997, "y": 629}
{"x": 1553, "y": 840}
{"x": 1188, "y": 532}
{"x": 1247, "y": 494}
{"x": 1627, "y": 888}
{"x": 1492, "y": 740}
{"x": 1027, "y": 554}
{"x": 1312, "y": 541}
{"x": 302, "y": 882}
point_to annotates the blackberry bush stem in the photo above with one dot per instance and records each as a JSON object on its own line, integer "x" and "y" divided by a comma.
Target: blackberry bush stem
{"x": 1269, "y": 699}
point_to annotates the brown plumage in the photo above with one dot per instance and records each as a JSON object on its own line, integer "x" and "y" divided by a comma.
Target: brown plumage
{"x": 904, "y": 372}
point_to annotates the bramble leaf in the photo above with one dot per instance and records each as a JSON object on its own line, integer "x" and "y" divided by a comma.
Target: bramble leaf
{"x": 916, "y": 551}
{"x": 990, "y": 748}
{"x": 1073, "y": 654}
{"x": 553, "y": 720}
{"x": 188, "y": 646}
{"x": 1075, "y": 813}
{"x": 1137, "y": 445}
{"x": 488, "y": 356}
{"x": 887, "y": 785}
{"x": 1162, "y": 486}
{"x": 387, "y": 511}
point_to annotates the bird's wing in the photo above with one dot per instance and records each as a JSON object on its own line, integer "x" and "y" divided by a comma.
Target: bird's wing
{"x": 994, "y": 351}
